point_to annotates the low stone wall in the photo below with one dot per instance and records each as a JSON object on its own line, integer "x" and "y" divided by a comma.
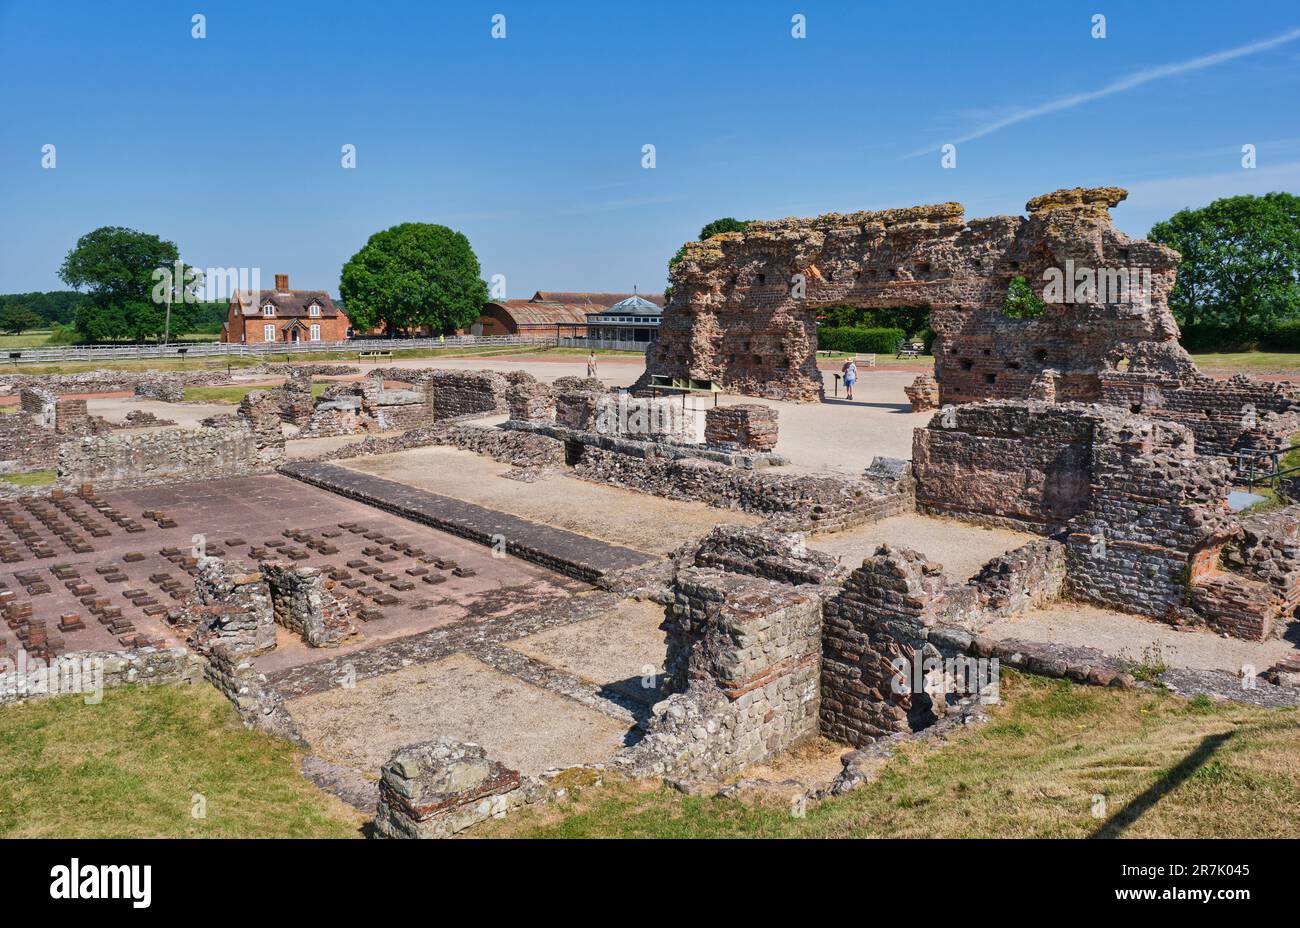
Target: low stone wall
{"x": 763, "y": 552}
{"x": 84, "y": 672}
{"x": 793, "y": 502}
{"x": 923, "y": 393}
{"x": 249, "y": 442}
{"x": 439, "y": 788}
{"x": 162, "y": 389}
{"x": 26, "y": 445}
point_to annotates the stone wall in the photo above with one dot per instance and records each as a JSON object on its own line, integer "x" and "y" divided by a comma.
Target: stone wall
{"x": 26, "y": 445}
{"x": 763, "y": 552}
{"x": 923, "y": 393}
{"x": 439, "y": 788}
{"x": 303, "y": 602}
{"x": 744, "y": 304}
{"x": 793, "y": 502}
{"x": 621, "y": 414}
{"x": 164, "y": 389}
{"x": 229, "y": 605}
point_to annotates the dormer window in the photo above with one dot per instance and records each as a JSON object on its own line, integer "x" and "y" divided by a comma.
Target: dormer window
{"x": 268, "y": 309}
{"x": 313, "y": 309}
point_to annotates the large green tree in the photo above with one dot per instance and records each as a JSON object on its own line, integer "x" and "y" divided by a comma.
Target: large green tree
{"x": 1240, "y": 261}
{"x": 15, "y": 319}
{"x": 116, "y": 267}
{"x": 410, "y": 275}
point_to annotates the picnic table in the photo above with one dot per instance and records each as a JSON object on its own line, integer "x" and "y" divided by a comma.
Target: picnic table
{"x": 374, "y": 353}
{"x": 910, "y": 350}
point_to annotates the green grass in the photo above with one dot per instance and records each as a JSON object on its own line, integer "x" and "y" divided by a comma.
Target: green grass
{"x": 31, "y": 478}
{"x": 1279, "y": 362}
{"x": 233, "y": 395}
{"x": 132, "y": 765}
{"x": 1032, "y": 771}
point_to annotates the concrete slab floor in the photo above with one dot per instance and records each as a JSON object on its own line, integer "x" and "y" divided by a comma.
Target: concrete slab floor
{"x": 962, "y": 549}
{"x": 1119, "y": 634}
{"x": 523, "y": 726}
{"x": 623, "y": 517}
{"x": 617, "y": 650}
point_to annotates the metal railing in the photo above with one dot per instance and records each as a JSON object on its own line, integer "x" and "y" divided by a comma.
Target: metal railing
{"x": 178, "y": 350}
{"x": 1249, "y": 461}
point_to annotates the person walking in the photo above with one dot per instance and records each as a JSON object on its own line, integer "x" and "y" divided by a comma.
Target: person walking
{"x": 850, "y": 371}
{"x": 591, "y": 366}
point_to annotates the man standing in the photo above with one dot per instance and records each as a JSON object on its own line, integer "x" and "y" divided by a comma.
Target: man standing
{"x": 591, "y": 366}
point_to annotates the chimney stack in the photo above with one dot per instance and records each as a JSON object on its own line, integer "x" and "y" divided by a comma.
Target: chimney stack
{"x": 282, "y": 283}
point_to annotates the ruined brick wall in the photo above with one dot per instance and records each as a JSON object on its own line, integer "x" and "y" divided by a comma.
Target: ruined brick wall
{"x": 250, "y": 442}
{"x": 1224, "y": 415}
{"x": 743, "y": 663}
{"x": 923, "y": 393}
{"x": 72, "y": 418}
{"x": 880, "y": 615}
{"x": 738, "y": 316}
{"x": 763, "y": 552}
{"x": 294, "y": 396}
{"x": 230, "y": 605}
{"x": 1023, "y": 465}
{"x": 744, "y": 425}
{"x": 1157, "y": 517}
{"x": 622, "y": 414}
{"x": 40, "y": 404}
{"x": 26, "y": 445}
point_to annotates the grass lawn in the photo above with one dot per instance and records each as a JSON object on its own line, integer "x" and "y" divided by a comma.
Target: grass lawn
{"x": 34, "y": 338}
{"x": 32, "y": 478}
{"x": 1167, "y": 767}
{"x": 233, "y": 395}
{"x": 1250, "y": 362}
{"x": 132, "y": 765}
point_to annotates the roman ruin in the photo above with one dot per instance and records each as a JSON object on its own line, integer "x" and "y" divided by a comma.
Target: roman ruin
{"x": 464, "y": 592}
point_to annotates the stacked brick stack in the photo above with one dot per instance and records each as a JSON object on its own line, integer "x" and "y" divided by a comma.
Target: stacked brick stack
{"x": 303, "y": 602}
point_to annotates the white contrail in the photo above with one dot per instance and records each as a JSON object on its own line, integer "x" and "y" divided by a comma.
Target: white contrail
{"x": 1136, "y": 79}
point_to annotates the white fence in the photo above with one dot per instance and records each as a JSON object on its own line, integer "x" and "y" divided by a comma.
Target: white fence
{"x": 267, "y": 350}
{"x": 611, "y": 344}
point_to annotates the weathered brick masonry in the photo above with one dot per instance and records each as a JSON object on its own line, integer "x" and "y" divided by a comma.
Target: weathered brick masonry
{"x": 738, "y": 316}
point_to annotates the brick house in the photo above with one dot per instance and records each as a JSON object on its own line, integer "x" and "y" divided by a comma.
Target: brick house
{"x": 282, "y": 315}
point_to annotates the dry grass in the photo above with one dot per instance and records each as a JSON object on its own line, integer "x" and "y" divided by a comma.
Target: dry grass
{"x": 1165, "y": 767}
{"x": 132, "y": 766}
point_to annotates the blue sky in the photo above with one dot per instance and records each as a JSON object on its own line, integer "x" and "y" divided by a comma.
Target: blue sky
{"x": 531, "y": 145}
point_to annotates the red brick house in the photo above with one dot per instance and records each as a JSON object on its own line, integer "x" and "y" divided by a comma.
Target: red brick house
{"x": 282, "y": 315}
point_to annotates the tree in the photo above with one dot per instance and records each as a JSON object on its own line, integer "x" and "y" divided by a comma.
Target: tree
{"x": 725, "y": 224}
{"x": 411, "y": 275}
{"x": 15, "y": 319}
{"x": 1240, "y": 262}
{"x": 1021, "y": 302}
{"x": 117, "y": 267}
{"x": 717, "y": 226}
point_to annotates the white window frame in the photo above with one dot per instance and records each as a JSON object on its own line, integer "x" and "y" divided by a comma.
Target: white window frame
{"x": 313, "y": 310}
{"x": 268, "y": 332}
{"x": 268, "y": 309}
{"x": 315, "y": 332}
